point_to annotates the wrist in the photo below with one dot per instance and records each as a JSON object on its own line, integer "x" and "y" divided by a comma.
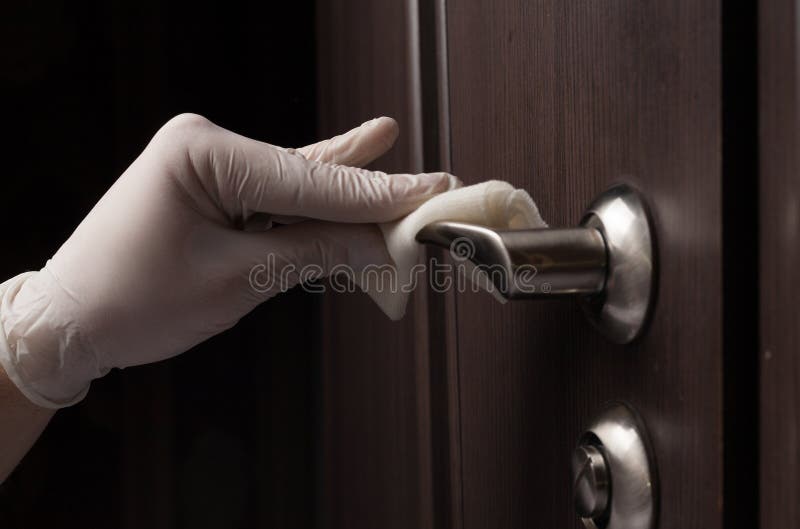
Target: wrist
{"x": 41, "y": 348}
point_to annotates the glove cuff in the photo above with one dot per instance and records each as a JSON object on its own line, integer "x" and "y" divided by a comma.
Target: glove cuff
{"x": 40, "y": 348}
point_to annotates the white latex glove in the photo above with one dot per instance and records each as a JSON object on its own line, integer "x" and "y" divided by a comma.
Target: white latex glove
{"x": 163, "y": 261}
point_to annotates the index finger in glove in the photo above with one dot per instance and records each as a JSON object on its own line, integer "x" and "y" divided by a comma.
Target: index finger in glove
{"x": 357, "y": 147}
{"x": 248, "y": 176}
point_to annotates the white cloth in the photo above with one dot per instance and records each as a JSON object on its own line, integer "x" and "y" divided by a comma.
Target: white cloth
{"x": 493, "y": 204}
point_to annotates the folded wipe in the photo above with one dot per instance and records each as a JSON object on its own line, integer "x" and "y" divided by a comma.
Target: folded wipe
{"x": 494, "y": 204}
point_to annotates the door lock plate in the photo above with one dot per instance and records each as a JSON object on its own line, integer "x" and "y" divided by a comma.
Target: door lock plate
{"x": 614, "y": 474}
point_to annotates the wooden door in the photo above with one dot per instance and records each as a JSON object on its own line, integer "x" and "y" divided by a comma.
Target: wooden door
{"x": 562, "y": 99}
{"x": 779, "y": 219}
{"x": 374, "y": 468}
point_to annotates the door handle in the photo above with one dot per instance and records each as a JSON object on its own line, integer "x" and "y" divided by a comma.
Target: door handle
{"x": 607, "y": 262}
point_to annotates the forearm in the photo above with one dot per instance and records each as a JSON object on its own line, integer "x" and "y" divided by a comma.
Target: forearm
{"x": 21, "y": 423}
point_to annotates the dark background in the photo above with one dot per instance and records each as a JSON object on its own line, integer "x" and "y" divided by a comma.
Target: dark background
{"x": 225, "y": 435}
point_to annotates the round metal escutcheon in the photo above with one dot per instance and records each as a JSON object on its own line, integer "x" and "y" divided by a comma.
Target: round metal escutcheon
{"x": 614, "y": 472}
{"x": 622, "y": 310}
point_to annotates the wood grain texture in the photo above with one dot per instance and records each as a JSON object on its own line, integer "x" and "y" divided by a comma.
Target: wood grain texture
{"x": 779, "y": 264}
{"x": 376, "y": 425}
{"x": 563, "y": 99}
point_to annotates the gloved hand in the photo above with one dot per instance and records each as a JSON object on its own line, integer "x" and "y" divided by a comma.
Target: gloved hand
{"x": 163, "y": 261}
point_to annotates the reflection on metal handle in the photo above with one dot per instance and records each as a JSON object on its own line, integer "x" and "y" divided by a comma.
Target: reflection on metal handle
{"x": 565, "y": 261}
{"x": 607, "y": 261}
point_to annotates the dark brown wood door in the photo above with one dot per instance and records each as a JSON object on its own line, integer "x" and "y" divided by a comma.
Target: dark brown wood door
{"x": 779, "y": 216}
{"x": 465, "y": 415}
{"x": 564, "y": 99}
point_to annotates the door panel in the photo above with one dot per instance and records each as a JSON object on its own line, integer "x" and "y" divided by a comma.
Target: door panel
{"x": 465, "y": 414}
{"x": 779, "y": 215}
{"x": 564, "y": 99}
{"x": 375, "y": 457}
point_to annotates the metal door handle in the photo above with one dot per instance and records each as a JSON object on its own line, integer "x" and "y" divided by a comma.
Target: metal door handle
{"x": 607, "y": 262}
{"x": 566, "y": 261}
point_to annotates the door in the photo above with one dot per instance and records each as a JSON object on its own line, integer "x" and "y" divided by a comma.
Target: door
{"x": 465, "y": 415}
{"x": 564, "y": 99}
